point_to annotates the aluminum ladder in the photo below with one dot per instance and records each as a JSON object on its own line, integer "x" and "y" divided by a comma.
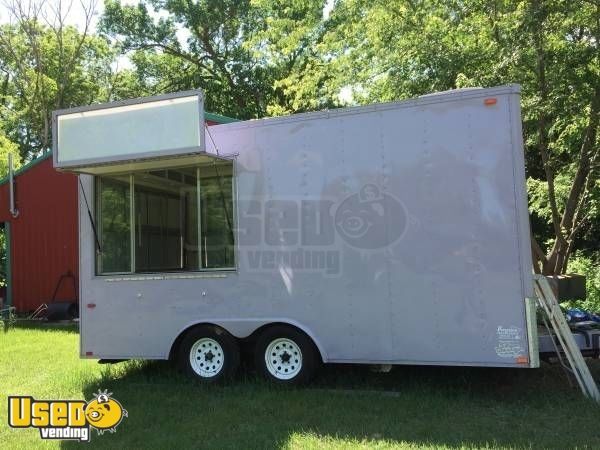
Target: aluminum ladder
{"x": 547, "y": 300}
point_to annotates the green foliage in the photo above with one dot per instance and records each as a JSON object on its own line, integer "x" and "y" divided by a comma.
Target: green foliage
{"x": 271, "y": 57}
{"x": 591, "y": 269}
{"x": 292, "y": 42}
{"x": 395, "y": 49}
{"x": 6, "y": 147}
{"x": 250, "y": 57}
{"x": 212, "y": 56}
{"x": 45, "y": 68}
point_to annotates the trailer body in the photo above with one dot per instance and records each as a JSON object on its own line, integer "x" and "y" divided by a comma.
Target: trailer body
{"x": 392, "y": 234}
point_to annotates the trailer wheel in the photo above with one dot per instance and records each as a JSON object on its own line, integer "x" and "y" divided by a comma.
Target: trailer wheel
{"x": 286, "y": 356}
{"x": 209, "y": 353}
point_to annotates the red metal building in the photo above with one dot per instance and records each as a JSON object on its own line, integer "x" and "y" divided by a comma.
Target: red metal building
{"x": 42, "y": 239}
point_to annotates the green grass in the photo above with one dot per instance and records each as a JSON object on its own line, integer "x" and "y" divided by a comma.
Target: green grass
{"x": 347, "y": 407}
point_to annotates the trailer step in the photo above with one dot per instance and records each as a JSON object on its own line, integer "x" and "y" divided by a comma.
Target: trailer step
{"x": 547, "y": 300}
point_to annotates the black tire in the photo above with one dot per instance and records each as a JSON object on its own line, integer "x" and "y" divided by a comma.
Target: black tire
{"x": 281, "y": 368}
{"x": 214, "y": 349}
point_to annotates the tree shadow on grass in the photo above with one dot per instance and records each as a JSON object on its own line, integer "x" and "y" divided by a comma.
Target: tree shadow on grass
{"x": 40, "y": 325}
{"x": 432, "y": 406}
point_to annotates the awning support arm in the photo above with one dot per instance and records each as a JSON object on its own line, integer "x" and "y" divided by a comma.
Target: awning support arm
{"x": 87, "y": 205}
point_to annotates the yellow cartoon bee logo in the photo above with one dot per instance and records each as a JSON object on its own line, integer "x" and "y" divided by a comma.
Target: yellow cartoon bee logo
{"x": 104, "y": 413}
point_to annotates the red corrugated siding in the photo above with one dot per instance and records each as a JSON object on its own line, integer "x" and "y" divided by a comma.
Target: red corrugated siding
{"x": 43, "y": 236}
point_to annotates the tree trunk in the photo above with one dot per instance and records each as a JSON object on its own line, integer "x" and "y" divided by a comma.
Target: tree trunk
{"x": 548, "y": 266}
{"x": 561, "y": 250}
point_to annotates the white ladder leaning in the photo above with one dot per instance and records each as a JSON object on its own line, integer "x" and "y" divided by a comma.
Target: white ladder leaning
{"x": 549, "y": 304}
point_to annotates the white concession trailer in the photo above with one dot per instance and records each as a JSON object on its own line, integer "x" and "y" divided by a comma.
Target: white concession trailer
{"x": 393, "y": 233}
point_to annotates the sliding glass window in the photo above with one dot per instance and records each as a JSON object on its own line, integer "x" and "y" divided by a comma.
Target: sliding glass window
{"x": 182, "y": 220}
{"x": 216, "y": 206}
{"x": 114, "y": 223}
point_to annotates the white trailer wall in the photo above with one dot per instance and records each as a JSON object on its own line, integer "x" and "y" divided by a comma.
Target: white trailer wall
{"x": 443, "y": 281}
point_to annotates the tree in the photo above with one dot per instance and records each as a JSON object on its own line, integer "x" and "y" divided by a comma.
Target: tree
{"x": 560, "y": 42}
{"x": 47, "y": 65}
{"x": 290, "y": 40}
{"x": 257, "y": 57}
{"x": 213, "y": 56}
{"x": 251, "y": 57}
{"x": 400, "y": 48}
{"x": 7, "y": 147}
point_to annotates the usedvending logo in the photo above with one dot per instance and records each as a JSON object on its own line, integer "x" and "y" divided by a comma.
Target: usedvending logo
{"x": 293, "y": 235}
{"x": 66, "y": 419}
{"x": 370, "y": 219}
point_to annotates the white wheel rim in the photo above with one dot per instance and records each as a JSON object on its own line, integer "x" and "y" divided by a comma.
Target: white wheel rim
{"x": 283, "y": 358}
{"x": 207, "y": 357}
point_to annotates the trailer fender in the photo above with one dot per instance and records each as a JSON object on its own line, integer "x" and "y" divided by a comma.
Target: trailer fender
{"x": 243, "y": 328}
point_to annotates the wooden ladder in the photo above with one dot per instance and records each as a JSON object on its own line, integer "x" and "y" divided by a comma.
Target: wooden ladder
{"x": 549, "y": 303}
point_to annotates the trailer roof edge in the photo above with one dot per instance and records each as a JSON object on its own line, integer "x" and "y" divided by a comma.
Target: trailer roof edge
{"x": 427, "y": 99}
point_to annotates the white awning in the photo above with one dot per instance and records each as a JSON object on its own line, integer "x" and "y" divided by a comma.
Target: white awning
{"x": 173, "y": 162}
{"x": 139, "y": 134}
